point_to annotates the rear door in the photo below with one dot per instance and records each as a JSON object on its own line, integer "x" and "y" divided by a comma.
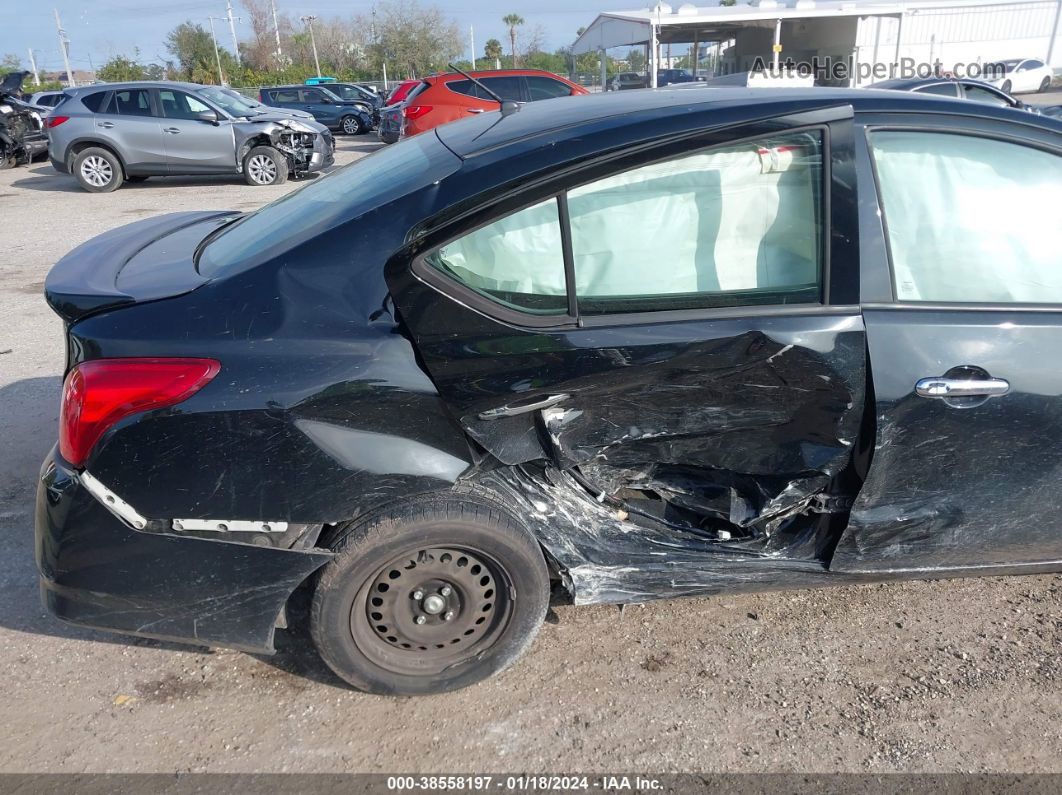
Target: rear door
{"x": 130, "y": 120}
{"x": 679, "y": 321}
{"x": 962, "y": 289}
{"x": 194, "y": 146}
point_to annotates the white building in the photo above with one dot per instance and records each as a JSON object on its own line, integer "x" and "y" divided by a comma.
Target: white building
{"x": 879, "y": 39}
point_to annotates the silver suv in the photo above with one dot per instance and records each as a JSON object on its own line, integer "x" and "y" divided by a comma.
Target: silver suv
{"x": 108, "y": 134}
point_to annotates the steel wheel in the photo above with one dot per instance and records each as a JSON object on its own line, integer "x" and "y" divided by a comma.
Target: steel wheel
{"x": 429, "y": 608}
{"x": 351, "y": 125}
{"x": 262, "y": 169}
{"x": 96, "y": 171}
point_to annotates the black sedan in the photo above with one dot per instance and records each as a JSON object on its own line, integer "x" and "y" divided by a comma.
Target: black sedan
{"x": 637, "y": 346}
{"x": 973, "y": 90}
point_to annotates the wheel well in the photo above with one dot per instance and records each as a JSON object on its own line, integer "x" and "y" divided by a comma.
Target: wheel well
{"x": 262, "y": 139}
{"x": 78, "y": 147}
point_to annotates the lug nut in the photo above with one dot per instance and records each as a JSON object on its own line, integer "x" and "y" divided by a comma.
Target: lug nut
{"x": 449, "y": 615}
{"x": 446, "y": 590}
{"x": 418, "y": 594}
{"x": 420, "y": 619}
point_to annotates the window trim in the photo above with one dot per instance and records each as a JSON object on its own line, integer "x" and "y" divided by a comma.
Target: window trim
{"x": 942, "y": 128}
{"x": 818, "y": 120}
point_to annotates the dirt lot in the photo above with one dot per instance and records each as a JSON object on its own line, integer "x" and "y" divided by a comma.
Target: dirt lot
{"x": 943, "y": 676}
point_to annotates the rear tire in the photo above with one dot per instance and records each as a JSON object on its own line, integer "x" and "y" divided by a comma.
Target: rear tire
{"x": 428, "y": 596}
{"x": 98, "y": 170}
{"x": 264, "y": 165}
{"x": 352, "y": 125}
{"x": 1007, "y": 86}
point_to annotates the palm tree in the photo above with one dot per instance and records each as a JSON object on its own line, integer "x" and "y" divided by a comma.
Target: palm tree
{"x": 513, "y": 20}
{"x": 493, "y": 51}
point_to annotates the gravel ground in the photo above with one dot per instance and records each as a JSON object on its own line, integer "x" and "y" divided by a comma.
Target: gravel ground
{"x": 939, "y": 676}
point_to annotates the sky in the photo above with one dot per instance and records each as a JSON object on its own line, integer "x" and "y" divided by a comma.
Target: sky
{"x": 100, "y": 29}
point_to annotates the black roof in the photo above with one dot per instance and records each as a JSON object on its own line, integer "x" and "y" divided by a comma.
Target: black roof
{"x": 566, "y": 118}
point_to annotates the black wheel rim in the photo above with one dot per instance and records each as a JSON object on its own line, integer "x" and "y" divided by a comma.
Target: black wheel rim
{"x": 431, "y": 608}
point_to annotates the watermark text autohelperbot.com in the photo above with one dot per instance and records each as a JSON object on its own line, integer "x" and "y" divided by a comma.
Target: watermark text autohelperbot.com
{"x": 840, "y": 70}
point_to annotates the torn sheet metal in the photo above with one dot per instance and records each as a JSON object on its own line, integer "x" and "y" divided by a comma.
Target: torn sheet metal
{"x": 604, "y": 557}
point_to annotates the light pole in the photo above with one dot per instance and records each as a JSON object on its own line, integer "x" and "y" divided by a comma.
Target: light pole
{"x": 232, "y": 29}
{"x": 308, "y": 22}
{"x": 217, "y": 54}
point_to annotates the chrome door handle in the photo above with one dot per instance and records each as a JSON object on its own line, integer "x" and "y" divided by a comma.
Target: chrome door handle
{"x": 474, "y": 110}
{"x": 171, "y": 130}
{"x": 941, "y": 387}
{"x": 107, "y": 124}
{"x": 513, "y": 409}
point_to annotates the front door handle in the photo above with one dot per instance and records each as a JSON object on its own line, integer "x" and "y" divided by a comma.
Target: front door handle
{"x": 520, "y": 407}
{"x": 475, "y": 110}
{"x": 171, "y": 130}
{"x": 942, "y": 387}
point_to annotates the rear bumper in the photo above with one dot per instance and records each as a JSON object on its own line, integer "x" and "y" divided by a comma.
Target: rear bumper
{"x": 98, "y": 572}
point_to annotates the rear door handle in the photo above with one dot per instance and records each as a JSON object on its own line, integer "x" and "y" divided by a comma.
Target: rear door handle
{"x": 171, "y": 130}
{"x": 941, "y": 387}
{"x": 513, "y": 409}
{"x": 107, "y": 124}
{"x": 475, "y": 110}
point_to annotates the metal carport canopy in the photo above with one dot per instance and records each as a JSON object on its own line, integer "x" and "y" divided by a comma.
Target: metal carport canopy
{"x": 688, "y": 24}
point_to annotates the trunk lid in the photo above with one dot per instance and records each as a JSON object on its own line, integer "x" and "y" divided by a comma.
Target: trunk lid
{"x": 142, "y": 261}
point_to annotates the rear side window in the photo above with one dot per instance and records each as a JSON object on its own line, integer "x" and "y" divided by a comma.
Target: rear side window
{"x": 731, "y": 226}
{"x": 466, "y": 87}
{"x": 94, "y": 101}
{"x": 969, "y": 219}
{"x": 517, "y": 261}
{"x": 130, "y": 102}
{"x": 735, "y": 225}
{"x": 988, "y": 97}
{"x": 943, "y": 89}
{"x": 546, "y": 88}
{"x": 505, "y": 87}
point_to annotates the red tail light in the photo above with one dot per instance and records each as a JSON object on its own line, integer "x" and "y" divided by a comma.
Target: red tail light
{"x": 416, "y": 111}
{"x": 55, "y": 121}
{"x": 99, "y": 393}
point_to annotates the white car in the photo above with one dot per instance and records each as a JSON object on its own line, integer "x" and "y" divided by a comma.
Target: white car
{"x": 46, "y": 99}
{"x": 1021, "y": 74}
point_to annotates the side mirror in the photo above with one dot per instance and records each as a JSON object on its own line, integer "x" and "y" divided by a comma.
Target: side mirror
{"x": 208, "y": 116}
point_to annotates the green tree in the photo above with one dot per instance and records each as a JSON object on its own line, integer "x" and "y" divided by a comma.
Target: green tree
{"x": 636, "y": 58}
{"x": 727, "y": 2}
{"x": 513, "y": 21}
{"x": 193, "y": 47}
{"x": 119, "y": 69}
{"x": 10, "y": 63}
{"x": 492, "y": 50}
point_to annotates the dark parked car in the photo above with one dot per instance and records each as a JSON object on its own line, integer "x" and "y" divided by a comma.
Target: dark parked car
{"x": 648, "y": 345}
{"x": 389, "y": 128}
{"x": 973, "y": 90}
{"x": 667, "y": 77}
{"x": 352, "y": 118}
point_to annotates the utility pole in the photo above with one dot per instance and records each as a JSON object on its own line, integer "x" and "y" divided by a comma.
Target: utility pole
{"x": 33, "y": 66}
{"x": 472, "y": 38}
{"x": 64, "y": 48}
{"x": 217, "y": 54}
{"x": 308, "y": 22}
{"x": 232, "y": 30}
{"x": 276, "y": 30}
{"x": 1054, "y": 35}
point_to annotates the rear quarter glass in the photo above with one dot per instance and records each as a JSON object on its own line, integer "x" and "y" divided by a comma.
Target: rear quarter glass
{"x": 342, "y": 196}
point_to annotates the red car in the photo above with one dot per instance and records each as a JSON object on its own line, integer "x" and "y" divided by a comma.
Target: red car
{"x": 443, "y": 98}
{"x": 400, "y": 92}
